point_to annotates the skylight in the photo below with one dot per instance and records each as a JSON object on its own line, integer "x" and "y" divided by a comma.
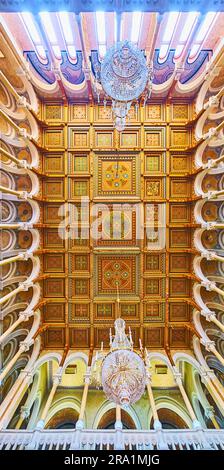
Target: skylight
{"x": 189, "y": 23}
{"x": 202, "y": 33}
{"x": 188, "y": 26}
{"x": 66, "y": 26}
{"x": 50, "y": 32}
{"x": 101, "y": 32}
{"x": 33, "y": 32}
{"x": 67, "y": 32}
{"x": 172, "y": 20}
{"x": 136, "y": 25}
{"x": 170, "y": 26}
{"x": 48, "y": 26}
{"x": 100, "y": 24}
{"x": 115, "y": 27}
{"x": 31, "y": 27}
{"x": 207, "y": 23}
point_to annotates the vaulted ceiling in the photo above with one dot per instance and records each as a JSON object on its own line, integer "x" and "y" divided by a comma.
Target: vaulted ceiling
{"x": 82, "y": 155}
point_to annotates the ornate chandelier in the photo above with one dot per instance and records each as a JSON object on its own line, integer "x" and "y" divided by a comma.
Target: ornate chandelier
{"x": 124, "y": 76}
{"x": 123, "y": 371}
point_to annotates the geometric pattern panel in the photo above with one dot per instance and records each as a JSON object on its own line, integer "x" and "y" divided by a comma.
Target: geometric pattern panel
{"x": 53, "y": 262}
{"x": 148, "y": 162}
{"x": 116, "y": 176}
{"x": 154, "y": 312}
{"x": 180, "y": 187}
{"x": 179, "y": 287}
{"x": 178, "y": 311}
{"x": 78, "y": 312}
{"x": 180, "y": 238}
{"x": 54, "y": 338}
{"x": 155, "y": 188}
{"x": 180, "y": 262}
{"x": 117, "y": 226}
{"x": 54, "y": 287}
{"x": 79, "y": 337}
{"x": 179, "y": 337}
{"x": 54, "y": 312}
{"x": 155, "y": 263}
{"x": 154, "y": 287}
{"x": 154, "y": 337}
{"x": 116, "y": 272}
{"x": 180, "y": 213}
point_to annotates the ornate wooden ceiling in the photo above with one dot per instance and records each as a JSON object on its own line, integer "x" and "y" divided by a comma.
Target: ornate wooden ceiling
{"x": 149, "y": 168}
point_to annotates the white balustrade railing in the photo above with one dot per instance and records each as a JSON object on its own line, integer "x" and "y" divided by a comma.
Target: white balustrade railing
{"x": 100, "y": 439}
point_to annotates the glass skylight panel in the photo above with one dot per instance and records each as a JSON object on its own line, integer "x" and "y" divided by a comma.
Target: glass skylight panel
{"x": 115, "y": 27}
{"x": 100, "y": 24}
{"x": 66, "y": 26}
{"x": 121, "y": 29}
{"x": 48, "y": 26}
{"x": 33, "y": 32}
{"x": 188, "y": 25}
{"x": 205, "y": 26}
{"x": 67, "y": 33}
{"x": 136, "y": 25}
{"x": 170, "y": 26}
{"x": 49, "y": 29}
{"x": 31, "y": 27}
{"x": 203, "y": 31}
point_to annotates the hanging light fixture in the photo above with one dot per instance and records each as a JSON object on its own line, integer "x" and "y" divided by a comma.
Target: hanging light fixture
{"x": 123, "y": 372}
{"x": 124, "y": 76}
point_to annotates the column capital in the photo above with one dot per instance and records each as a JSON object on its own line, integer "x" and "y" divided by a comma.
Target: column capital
{"x": 177, "y": 376}
{"x": 208, "y": 255}
{"x": 208, "y": 344}
{"x": 209, "y": 315}
{"x": 25, "y": 315}
{"x": 26, "y": 285}
{"x": 57, "y": 379}
{"x": 25, "y": 345}
{"x": 87, "y": 379}
{"x": 209, "y": 286}
{"x": 27, "y": 373}
{"x": 208, "y": 225}
{"x": 213, "y": 101}
{"x": 209, "y": 412}
{"x": 22, "y": 102}
{"x": 24, "y": 412}
{"x": 206, "y": 375}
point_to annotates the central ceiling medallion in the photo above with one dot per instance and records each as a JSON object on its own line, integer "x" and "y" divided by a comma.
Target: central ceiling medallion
{"x": 124, "y": 76}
